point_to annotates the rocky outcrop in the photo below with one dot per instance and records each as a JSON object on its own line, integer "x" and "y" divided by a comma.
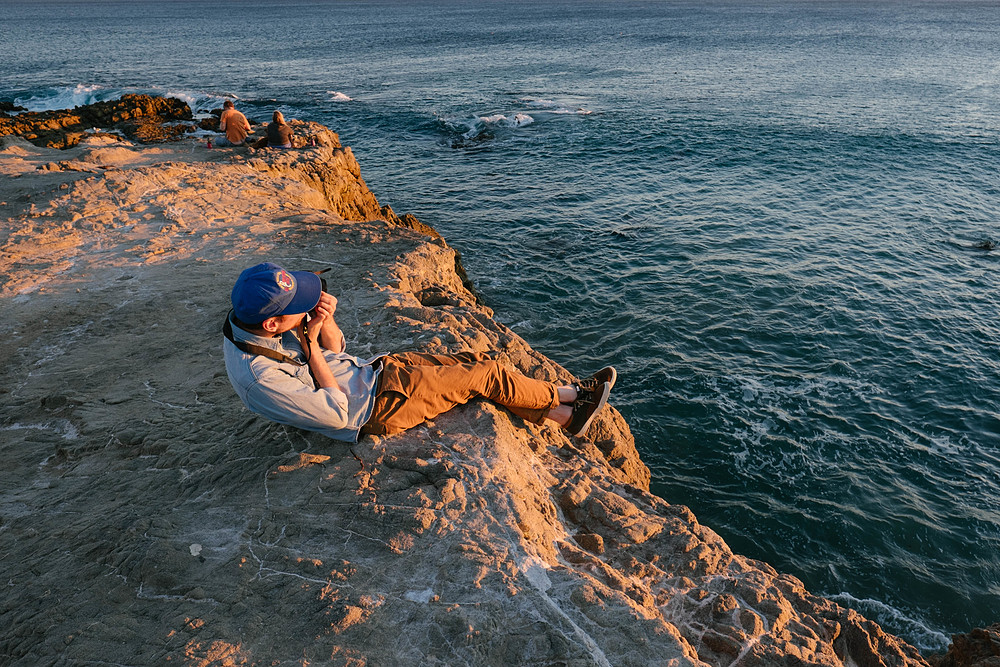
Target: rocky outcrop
{"x": 334, "y": 172}
{"x": 147, "y": 518}
{"x": 979, "y": 648}
{"x": 139, "y": 117}
{"x": 6, "y": 108}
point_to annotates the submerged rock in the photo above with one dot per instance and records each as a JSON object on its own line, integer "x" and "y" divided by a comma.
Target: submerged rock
{"x": 9, "y": 107}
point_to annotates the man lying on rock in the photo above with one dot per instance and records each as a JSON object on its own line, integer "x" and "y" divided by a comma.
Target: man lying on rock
{"x": 285, "y": 357}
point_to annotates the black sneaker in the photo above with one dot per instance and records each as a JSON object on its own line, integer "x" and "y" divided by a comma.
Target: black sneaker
{"x": 607, "y": 374}
{"x": 586, "y": 408}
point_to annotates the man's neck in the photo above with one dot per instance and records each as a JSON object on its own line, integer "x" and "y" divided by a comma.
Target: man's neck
{"x": 255, "y": 330}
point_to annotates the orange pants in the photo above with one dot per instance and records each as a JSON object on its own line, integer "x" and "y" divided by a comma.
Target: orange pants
{"x": 414, "y": 387}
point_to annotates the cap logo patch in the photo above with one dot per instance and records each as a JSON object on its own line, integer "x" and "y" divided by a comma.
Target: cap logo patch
{"x": 285, "y": 281}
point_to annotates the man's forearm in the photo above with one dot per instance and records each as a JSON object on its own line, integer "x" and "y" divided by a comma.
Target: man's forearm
{"x": 331, "y": 337}
{"x": 318, "y": 367}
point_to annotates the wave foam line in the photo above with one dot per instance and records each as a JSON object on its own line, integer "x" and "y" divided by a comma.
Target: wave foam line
{"x": 918, "y": 633}
{"x": 68, "y": 97}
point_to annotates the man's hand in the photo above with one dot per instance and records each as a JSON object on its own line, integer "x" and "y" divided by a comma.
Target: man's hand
{"x": 330, "y": 335}
{"x": 318, "y": 332}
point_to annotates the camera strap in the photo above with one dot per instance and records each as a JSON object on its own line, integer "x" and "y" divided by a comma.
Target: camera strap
{"x": 250, "y": 348}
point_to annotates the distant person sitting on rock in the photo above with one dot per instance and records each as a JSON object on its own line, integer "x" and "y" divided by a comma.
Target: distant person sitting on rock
{"x": 279, "y": 135}
{"x": 234, "y": 124}
{"x": 285, "y": 358}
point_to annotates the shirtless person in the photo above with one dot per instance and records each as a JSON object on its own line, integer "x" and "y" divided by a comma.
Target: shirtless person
{"x": 285, "y": 358}
{"x": 234, "y": 124}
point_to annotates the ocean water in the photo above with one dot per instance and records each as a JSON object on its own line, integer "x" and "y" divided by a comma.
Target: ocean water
{"x": 774, "y": 217}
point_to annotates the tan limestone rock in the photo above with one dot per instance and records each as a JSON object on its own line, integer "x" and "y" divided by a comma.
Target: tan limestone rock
{"x": 148, "y": 518}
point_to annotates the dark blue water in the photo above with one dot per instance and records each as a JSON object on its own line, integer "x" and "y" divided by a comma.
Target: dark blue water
{"x": 766, "y": 214}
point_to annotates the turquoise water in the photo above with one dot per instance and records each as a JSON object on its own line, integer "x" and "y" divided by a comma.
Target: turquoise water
{"x": 768, "y": 215}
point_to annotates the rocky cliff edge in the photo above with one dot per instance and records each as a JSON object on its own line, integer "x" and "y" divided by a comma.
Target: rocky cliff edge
{"x": 147, "y": 518}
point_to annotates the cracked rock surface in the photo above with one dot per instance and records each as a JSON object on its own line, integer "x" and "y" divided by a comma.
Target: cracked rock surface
{"x": 147, "y": 518}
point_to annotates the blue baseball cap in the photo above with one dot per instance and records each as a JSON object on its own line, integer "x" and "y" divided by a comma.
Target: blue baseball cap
{"x": 267, "y": 290}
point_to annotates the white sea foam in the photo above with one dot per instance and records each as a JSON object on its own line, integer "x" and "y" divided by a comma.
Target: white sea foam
{"x": 337, "y": 96}
{"x": 894, "y": 620}
{"x": 500, "y": 120}
{"x": 945, "y": 447}
{"x": 66, "y": 97}
{"x": 553, "y": 107}
{"x": 184, "y": 97}
{"x": 199, "y": 101}
{"x": 482, "y": 127}
{"x": 483, "y": 124}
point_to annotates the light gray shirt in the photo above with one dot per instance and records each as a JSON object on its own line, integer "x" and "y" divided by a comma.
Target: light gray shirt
{"x": 285, "y": 393}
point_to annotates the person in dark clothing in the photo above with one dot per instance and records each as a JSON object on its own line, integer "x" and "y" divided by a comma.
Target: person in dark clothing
{"x": 279, "y": 135}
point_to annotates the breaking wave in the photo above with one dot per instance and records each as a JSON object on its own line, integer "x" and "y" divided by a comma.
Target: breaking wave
{"x": 895, "y": 621}
{"x": 500, "y": 120}
{"x": 68, "y": 97}
{"x": 464, "y": 132}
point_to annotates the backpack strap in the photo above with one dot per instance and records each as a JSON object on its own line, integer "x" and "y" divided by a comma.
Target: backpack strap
{"x": 250, "y": 348}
